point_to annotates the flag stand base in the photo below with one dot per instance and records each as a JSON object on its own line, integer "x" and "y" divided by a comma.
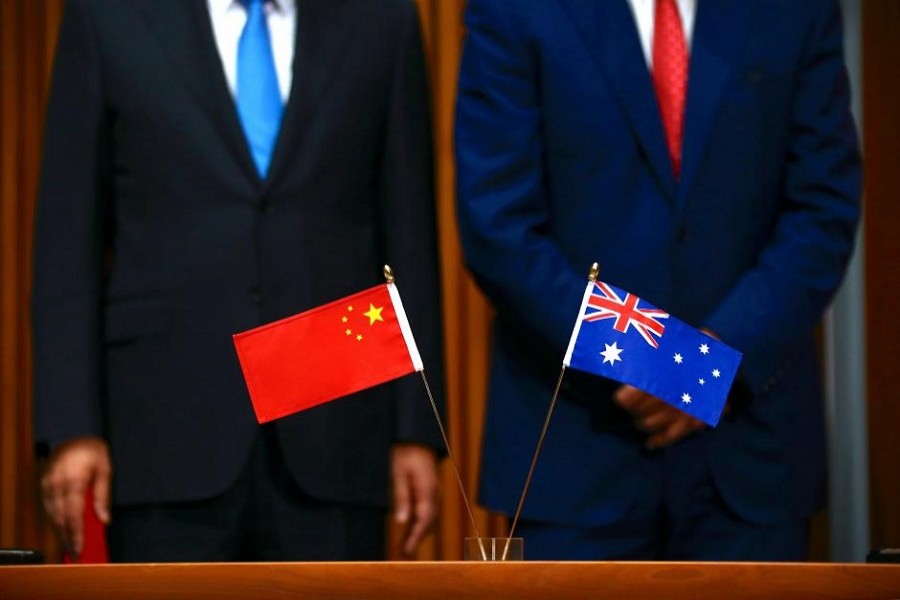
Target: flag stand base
{"x": 494, "y": 549}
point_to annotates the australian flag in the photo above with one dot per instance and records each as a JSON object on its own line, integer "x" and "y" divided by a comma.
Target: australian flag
{"x": 621, "y": 337}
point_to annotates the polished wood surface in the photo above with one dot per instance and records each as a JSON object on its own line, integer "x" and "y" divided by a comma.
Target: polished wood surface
{"x": 396, "y": 581}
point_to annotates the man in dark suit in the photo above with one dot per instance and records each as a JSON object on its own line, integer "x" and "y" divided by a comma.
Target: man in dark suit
{"x": 209, "y": 166}
{"x": 703, "y": 153}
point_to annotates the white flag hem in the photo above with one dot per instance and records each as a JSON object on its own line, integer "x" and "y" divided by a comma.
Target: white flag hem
{"x": 405, "y": 329}
{"x": 584, "y": 302}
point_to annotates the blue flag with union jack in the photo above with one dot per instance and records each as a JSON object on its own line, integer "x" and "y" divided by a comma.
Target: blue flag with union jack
{"x": 624, "y": 338}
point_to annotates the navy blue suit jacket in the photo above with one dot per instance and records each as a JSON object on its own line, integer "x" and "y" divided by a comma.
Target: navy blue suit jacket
{"x": 156, "y": 241}
{"x": 562, "y": 162}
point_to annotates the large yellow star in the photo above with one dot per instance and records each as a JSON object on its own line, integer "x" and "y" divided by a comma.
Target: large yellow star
{"x": 374, "y": 314}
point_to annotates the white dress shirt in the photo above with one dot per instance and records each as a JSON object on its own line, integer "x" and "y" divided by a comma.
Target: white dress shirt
{"x": 228, "y": 19}
{"x": 645, "y": 15}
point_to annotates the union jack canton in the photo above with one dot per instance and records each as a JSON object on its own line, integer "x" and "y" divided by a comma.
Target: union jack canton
{"x": 619, "y": 336}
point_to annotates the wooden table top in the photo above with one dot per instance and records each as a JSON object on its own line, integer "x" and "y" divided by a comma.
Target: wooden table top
{"x": 398, "y": 580}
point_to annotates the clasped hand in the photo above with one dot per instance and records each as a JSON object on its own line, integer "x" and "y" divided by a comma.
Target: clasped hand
{"x": 664, "y": 423}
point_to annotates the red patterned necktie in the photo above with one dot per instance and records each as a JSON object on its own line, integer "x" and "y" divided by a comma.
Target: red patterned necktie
{"x": 670, "y": 75}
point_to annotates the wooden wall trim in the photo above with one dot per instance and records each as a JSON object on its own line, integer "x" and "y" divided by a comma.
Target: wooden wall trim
{"x": 27, "y": 39}
{"x": 881, "y": 134}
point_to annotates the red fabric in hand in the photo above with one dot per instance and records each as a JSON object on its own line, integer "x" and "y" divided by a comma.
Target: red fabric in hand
{"x": 94, "y": 550}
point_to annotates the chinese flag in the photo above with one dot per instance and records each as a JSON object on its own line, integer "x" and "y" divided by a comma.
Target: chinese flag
{"x": 327, "y": 352}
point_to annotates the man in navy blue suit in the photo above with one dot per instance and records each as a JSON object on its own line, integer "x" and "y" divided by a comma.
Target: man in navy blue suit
{"x": 209, "y": 166}
{"x": 703, "y": 152}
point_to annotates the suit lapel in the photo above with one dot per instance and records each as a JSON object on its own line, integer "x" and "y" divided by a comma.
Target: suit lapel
{"x": 609, "y": 31}
{"x": 719, "y": 34}
{"x": 184, "y": 31}
{"x": 323, "y": 34}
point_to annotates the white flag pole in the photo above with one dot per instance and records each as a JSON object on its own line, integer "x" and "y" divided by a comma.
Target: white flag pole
{"x": 417, "y": 362}
{"x": 592, "y": 276}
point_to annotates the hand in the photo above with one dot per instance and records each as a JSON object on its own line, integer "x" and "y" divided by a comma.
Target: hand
{"x": 665, "y": 423}
{"x": 74, "y": 465}
{"x": 414, "y": 473}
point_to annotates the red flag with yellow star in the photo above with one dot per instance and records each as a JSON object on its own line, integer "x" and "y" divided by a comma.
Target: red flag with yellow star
{"x": 327, "y": 352}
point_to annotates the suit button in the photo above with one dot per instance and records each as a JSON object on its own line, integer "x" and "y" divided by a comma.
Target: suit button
{"x": 681, "y": 235}
{"x": 265, "y": 206}
{"x": 255, "y": 296}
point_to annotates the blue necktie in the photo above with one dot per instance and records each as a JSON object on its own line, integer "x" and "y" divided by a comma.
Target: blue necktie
{"x": 258, "y": 97}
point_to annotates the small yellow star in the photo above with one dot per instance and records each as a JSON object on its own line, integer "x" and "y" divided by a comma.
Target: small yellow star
{"x": 343, "y": 319}
{"x": 348, "y": 332}
{"x": 350, "y": 308}
{"x": 374, "y": 314}
{"x": 359, "y": 337}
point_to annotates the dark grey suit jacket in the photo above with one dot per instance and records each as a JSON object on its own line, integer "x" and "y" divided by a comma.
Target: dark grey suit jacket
{"x": 156, "y": 241}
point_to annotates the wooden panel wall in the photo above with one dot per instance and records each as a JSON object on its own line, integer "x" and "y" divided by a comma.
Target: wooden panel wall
{"x": 27, "y": 36}
{"x": 467, "y": 314}
{"x": 881, "y": 130}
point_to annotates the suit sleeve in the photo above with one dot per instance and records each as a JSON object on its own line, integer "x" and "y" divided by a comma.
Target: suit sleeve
{"x": 409, "y": 230}
{"x": 502, "y": 205}
{"x": 802, "y": 264}
{"x": 68, "y": 241}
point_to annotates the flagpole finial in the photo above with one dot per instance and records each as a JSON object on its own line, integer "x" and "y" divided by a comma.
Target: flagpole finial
{"x": 388, "y": 274}
{"x": 595, "y": 272}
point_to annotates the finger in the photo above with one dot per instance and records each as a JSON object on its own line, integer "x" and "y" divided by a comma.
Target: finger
{"x": 676, "y": 431}
{"x": 74, "y": 515}
{"x": 48, "y": 497}
{"x": 55, "y": 501}
{"x": 658, "y": 441}
{"x": 401, "y": 496}
{"x": 634, "y": 400}
{"x": 425, "y": 514}
{"x": 657, "y": 420}
{"x": 424, "y": 486}
{"x": 628, "y": 396}
{"x": 101, "y": 496}
{"x": 645, "y": 405}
